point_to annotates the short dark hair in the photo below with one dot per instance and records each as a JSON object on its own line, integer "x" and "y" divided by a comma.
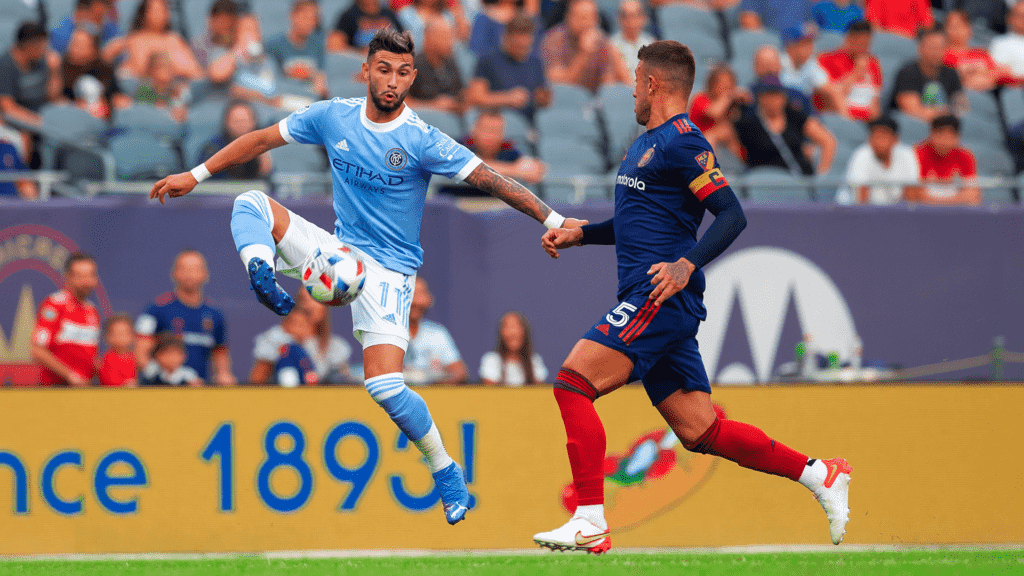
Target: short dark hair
{"x": 673, "y": 58}
{"x": 83, "y": 4}
{"x": 859, "y": 27}
{"x": 946, "y": 121}
{"x": 30, "y": 31}
{"x": 961, "y": 13}
{"x": 926, "y": 32}
{"x": 520, "y": 24}
{"x": 229, "y": 7}
{"x": 300, "y": 3}
{"x": 390, "y": 40}
{"x": 78, "y": 256}
{"x": 120, "y": 317}
{"x": 166, "y": 341}
{"x": 886, "y": 122}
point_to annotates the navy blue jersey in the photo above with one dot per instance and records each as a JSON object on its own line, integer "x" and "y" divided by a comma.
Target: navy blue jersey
{"x": 659, "y": 193}
{"x": 201, "y": 329}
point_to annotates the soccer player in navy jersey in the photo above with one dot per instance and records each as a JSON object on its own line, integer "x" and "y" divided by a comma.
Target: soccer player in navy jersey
{"x": 382, "y": 157}
{"x": 667, "y": 179}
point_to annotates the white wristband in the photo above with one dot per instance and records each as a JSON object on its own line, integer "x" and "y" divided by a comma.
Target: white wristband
{"x": 200, "y": 173}
{"x": 554, "y": 220}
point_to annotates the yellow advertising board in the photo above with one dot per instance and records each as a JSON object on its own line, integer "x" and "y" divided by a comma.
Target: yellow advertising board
{"x": 84, "y": 471}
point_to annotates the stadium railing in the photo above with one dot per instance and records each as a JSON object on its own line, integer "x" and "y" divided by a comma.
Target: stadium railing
{"x": 47, "y": 180}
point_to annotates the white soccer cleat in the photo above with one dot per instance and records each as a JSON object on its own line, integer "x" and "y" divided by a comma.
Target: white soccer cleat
{"x": 834, "y": 496}
{"x": 576, "y": 534}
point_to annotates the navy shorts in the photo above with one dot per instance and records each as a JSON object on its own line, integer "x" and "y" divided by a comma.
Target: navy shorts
{"x": 660, "y": 340}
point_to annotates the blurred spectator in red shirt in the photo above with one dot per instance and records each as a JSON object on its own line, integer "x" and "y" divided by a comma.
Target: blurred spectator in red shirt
{"x": 976, "y": 68}
{"x": 903, "y": 17}
{"x": 926, "y": 88}
{"x": 438, "y": 82}
{"x": 855, "y": 73}
{"x": 711, "y": 110}
{"x": 487, "y": 140}
{"x": 118, "y": 365}
{"x": 577, "y": 52}
{"x": 943, "y": 162}
{"x": 66, "y": 339}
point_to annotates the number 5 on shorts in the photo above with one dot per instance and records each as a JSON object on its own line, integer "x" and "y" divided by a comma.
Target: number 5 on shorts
{"x": 620, "y": 315}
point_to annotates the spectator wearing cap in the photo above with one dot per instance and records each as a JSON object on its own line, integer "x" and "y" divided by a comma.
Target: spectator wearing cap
{"x": 357, "y": 25}
{"x": 487, "y": 140}
{"x": 836, "y": 15}
{"x": 299, "y": 52}
{"x": 768, "y": 62}
{"x": 91, "y": 16}
{"x": 774, "y": 15}
{"x": 712, "y": 109}
{"x": 883, "y": 170}
{"x": 513, "y": 76}
{"x": 631, "y": 35}
{"x": 947, "y": 169}
{"x": 577, "y": 52}
{"x": 438, "y": 83}
{"x": 800, "y": 68}
{"x": 855, "y": 75}
{"x": 1008, "y": 49}
{"x": 776, "y": 134}
{"x": 926, "y": 88}
{"x": 903, "y": 17}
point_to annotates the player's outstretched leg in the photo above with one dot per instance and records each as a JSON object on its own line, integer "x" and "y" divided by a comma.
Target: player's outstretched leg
{"x": 409, "y": 412}
{"x": 750, "y": 447}
{"x": 252, "y": 223}
{"x": 587, "y": 530}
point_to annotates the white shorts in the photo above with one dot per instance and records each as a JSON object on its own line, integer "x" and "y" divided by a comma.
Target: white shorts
{"x": 380, "y": 315}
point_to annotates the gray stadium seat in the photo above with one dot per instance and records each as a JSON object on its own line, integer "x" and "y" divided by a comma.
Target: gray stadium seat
{"x": 681, "y": 20}
{"x": 193, "y": 145}
{"x": 828, "y": 41}
{"x": 745, "y": 42}
{"x": 566, "y": 155}
{"x": 886, "y": 44}
{"x": 126, "y": 13}
{"x": 273, "y": 16}
{"x": 997, "y": 196}
{"x": 912, "y": 130}
{"x": 142, "y": 156}
{"x": 567, "y": 124}
{"x": 71, "y": 123}
{"x": 619, "y": 121}
{"x": 730, "y": 164}
{"x": 983, "y": 104}
{"x": 993, "y": 160}
{"x": 298, "y": 158}
{"x": 844, "y": 129}
{"x": 343, "y": 64}
{"x": 569, "y": 97}
{"x": 150, "y": 119}
{"x": 205, "y": 117}
{"x": 707, "y": 46}
{"x": 448, "y": 123}
{"x": 1012, "y": 101}
{"x": 785, "y": 188}
{"x": 466, "y": 61}
{"x": 342, "y": 87}
{"x": 981, "y": 128}
{"x": 197, "y": 14}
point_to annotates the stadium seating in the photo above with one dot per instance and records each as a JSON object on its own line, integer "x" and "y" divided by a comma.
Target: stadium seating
{"x": 844, "y": 129}
{"x": 912, "y": 130}
{"x": 992, "y": 159}
{"x": 300, "y": 159}
{"x": 273, "y": 16}
{"x": 569, "y": 97}
{"x": 150, "y": 119}
{"x": 446, "y": 122}
{"x": 619, "y": 121}
{"x": 343, "y": 64}
{"x": 517, "y": 129}
{"x": 679, "y": 21}
{"x": 567, "y": 124}
{"x": 828, "y": 41}
{"x": 143, "y": 156}
{"x": 884, "y": 44}
{"x": 782, "y": 186}
{"x": 1012, "y": 100}
{"x": 745, "y": 42}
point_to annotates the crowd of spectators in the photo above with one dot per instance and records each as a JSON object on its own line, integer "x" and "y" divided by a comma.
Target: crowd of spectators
{"x": 181, "y": 340}
{"x": 817, "y": 67}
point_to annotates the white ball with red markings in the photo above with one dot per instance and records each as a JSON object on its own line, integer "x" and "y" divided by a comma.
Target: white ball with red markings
{"x": 334, "y": 278}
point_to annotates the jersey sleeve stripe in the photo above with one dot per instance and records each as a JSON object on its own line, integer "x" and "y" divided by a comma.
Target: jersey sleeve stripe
{"x": 702, "y": 186}
{"x": 468, "y": 168}
{"x": 283, "y": 127}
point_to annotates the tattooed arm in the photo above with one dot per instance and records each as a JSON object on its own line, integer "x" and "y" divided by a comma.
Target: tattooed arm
{"x": 483, "y": 177}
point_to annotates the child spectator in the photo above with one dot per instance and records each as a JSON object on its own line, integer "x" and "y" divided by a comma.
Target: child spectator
{"x": 836, "y": 15}
{"x": 948, "y": 171}
{"x": 513, "y": 362}
{"x": 976, "y": 68}
{"x": 167, "y": 368}
{"x": 855, "y": 74}
{"x": 280, "y": 357}
{"x": 161, "y": 89}
{"x": 118, "y": 365}
{"x": 487, "y": 140}
{"x": 239, "y": 118}
{"x": 883, "y": 170}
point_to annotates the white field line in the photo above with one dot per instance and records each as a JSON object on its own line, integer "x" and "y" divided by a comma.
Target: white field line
{"x": 405, "y": 553}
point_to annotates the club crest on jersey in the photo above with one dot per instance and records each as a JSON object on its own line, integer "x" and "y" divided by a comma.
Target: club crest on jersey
{"x": 207, "y": 324}
{"x": 395, "y": 159}
{"x": 646, "y": 158}
{"x": 706, "y": 160}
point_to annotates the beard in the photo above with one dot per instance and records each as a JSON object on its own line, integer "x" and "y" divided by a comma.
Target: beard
{"x": 383, "y": 106}
{"x": 643, "y": 115}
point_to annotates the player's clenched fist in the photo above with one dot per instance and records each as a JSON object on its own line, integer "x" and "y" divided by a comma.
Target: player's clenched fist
{"x": 557, "y": 239}
{"x": 175, "y": 185}
{"x": 669, "y": 278}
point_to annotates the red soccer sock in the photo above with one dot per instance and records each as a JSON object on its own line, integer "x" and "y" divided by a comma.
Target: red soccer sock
{"x": 585, "y": 436}
{"x": 751, "y": 448}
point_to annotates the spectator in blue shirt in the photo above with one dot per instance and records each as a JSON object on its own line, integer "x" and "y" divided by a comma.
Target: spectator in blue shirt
{"x": 299, "y": 53}
{"x": 11, "y": 160}
{"x": 836, "y": 15}
{"x": 93, "y": 16}
{"x": 776, "y": 15}
{"x": 513, "y": 76}
{"x": 184, "y": 312}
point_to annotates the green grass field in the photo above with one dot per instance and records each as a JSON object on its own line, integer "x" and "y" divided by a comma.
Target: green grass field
{"x": 930, "y": 562}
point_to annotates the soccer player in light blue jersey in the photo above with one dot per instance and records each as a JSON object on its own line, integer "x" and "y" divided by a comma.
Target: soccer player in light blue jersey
{"x": 382, "y": 157}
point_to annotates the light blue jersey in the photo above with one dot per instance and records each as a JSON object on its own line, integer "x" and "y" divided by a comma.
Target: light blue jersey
{"x": 380, "y": 174}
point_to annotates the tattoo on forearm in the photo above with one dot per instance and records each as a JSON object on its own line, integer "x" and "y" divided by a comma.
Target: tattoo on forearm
{"x": 509, "y": 191}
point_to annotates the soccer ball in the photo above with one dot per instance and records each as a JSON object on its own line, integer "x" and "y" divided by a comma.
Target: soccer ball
{"x": 334, "y": 278}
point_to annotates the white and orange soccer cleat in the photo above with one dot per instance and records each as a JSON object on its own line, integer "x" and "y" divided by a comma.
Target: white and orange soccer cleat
{"x": 577, "y": 534}
{"x": 834, "y": 496}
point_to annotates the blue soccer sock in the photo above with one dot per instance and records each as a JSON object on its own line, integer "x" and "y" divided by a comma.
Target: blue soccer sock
{"x": 409, "y": 412}
{"x": 252, "y": 221}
